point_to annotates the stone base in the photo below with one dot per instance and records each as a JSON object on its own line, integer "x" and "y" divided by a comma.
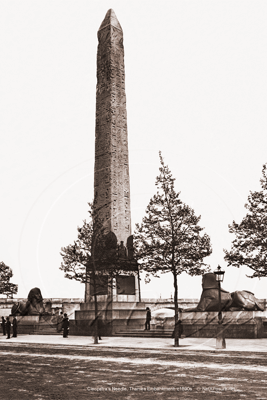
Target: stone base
{"x": 235, "y": 324}
{"x": 35, "y": 324}
{"x": 116, "y": 317}
{"x": 129, "y": 317}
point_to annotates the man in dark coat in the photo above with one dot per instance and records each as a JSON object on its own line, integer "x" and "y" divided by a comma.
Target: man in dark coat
{"x": 15, "y": 327}
{"x": 65, "y": 325}
{"x": 4, "y": 326}
{"x": 8, "y": 327}
{"x": 148, "y": 319}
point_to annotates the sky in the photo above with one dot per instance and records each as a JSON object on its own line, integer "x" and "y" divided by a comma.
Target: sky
{"x": 196, "y": 90}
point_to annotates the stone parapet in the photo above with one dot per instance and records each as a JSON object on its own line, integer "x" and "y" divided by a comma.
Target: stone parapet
{"x": 236, "y": 324}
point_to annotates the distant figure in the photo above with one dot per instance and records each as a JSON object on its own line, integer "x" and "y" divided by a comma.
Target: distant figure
{"x": 65, "y": 325}
{"x": 148, "y": 319}
{"x": 8, "y": 327}
{"x": 15, "y": 327}
{"x": 4, "y": 326}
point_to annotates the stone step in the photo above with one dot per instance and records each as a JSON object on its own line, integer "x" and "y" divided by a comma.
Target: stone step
{"x": 144, "y": 333}
{"x": 45, "y": 332}
{"x": 115, "y": 305}
{"x": 114, "y": 314}
{"x": 45, "y": 329}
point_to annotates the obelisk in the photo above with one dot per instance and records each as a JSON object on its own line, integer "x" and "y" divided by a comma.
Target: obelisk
{"x": 111, "y": 179}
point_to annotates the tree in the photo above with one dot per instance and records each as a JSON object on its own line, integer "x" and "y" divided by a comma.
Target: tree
{"x": 94, "y": 257}
{"x": 77, "y": 256}
{"x": 249, "y": 248}
{"x": 7, "y": 288}
{"x": 169, "y": 238}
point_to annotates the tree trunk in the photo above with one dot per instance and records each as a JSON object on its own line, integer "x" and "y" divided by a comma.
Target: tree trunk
{"x": 87, "y": 284}
{"x": 139, "y": 279}
{"x": 176, "y": 326}
{"x": 96, "y": 312}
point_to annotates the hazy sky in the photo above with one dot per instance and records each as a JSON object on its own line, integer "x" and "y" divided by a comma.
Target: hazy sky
{"x": 196, "y": 89}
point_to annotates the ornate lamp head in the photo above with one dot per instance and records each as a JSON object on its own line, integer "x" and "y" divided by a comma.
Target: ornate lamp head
{"x": 219, "y": 274}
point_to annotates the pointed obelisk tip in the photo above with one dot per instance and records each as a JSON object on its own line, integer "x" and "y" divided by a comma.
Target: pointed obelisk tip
{"x": 110, "y": 19}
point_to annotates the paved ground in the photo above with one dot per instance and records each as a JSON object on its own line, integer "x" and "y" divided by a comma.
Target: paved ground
{"x": 258, "y": 345}
{"x": 50, "y": 367}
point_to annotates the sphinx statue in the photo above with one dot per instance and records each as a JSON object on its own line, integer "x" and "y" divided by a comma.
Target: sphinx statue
{"x": 235, "y": 301}
{"x": 33, "y": 306}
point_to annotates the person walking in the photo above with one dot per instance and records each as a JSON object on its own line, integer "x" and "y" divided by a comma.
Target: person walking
{"x": 148, "y": 319}
{"x": 3, "y": 323}
{"x": 8, "y": 327}
{"x": 65, "y": 325}
{"x": 15, "y": 327}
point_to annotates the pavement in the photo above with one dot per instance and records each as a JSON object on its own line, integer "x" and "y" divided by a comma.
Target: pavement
{"x": 207, "y": 344}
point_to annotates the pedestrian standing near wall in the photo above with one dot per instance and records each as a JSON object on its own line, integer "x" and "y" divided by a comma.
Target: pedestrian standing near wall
{"x": 8, "y": 327}
{"x": 65, "y": 325}
{"x": 148, "y": 319}
{"x": 15, "y": 327}
{"x": 3, "y": 323}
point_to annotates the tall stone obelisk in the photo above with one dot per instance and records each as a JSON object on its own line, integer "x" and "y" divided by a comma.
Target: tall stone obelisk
{"x": 111, "y": 180}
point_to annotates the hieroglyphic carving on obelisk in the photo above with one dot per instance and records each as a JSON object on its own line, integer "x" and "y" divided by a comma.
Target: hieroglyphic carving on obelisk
{"x": 111, "y": 180}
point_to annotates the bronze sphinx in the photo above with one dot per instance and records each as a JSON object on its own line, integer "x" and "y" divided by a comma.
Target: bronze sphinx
{"x": 33, "y": 306}
{"x": 235, "y": 301}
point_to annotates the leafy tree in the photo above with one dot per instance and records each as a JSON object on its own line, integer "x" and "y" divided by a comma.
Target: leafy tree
{"x": 95, "y": 256}
{"x": 77, "y": 256}
{"x": 7, "y": 288}
{"x": 250, "y": 245}
{"x": 169, "y": 238}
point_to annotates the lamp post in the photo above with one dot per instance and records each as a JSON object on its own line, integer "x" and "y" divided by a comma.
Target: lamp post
{"x": 220, "y": 340}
